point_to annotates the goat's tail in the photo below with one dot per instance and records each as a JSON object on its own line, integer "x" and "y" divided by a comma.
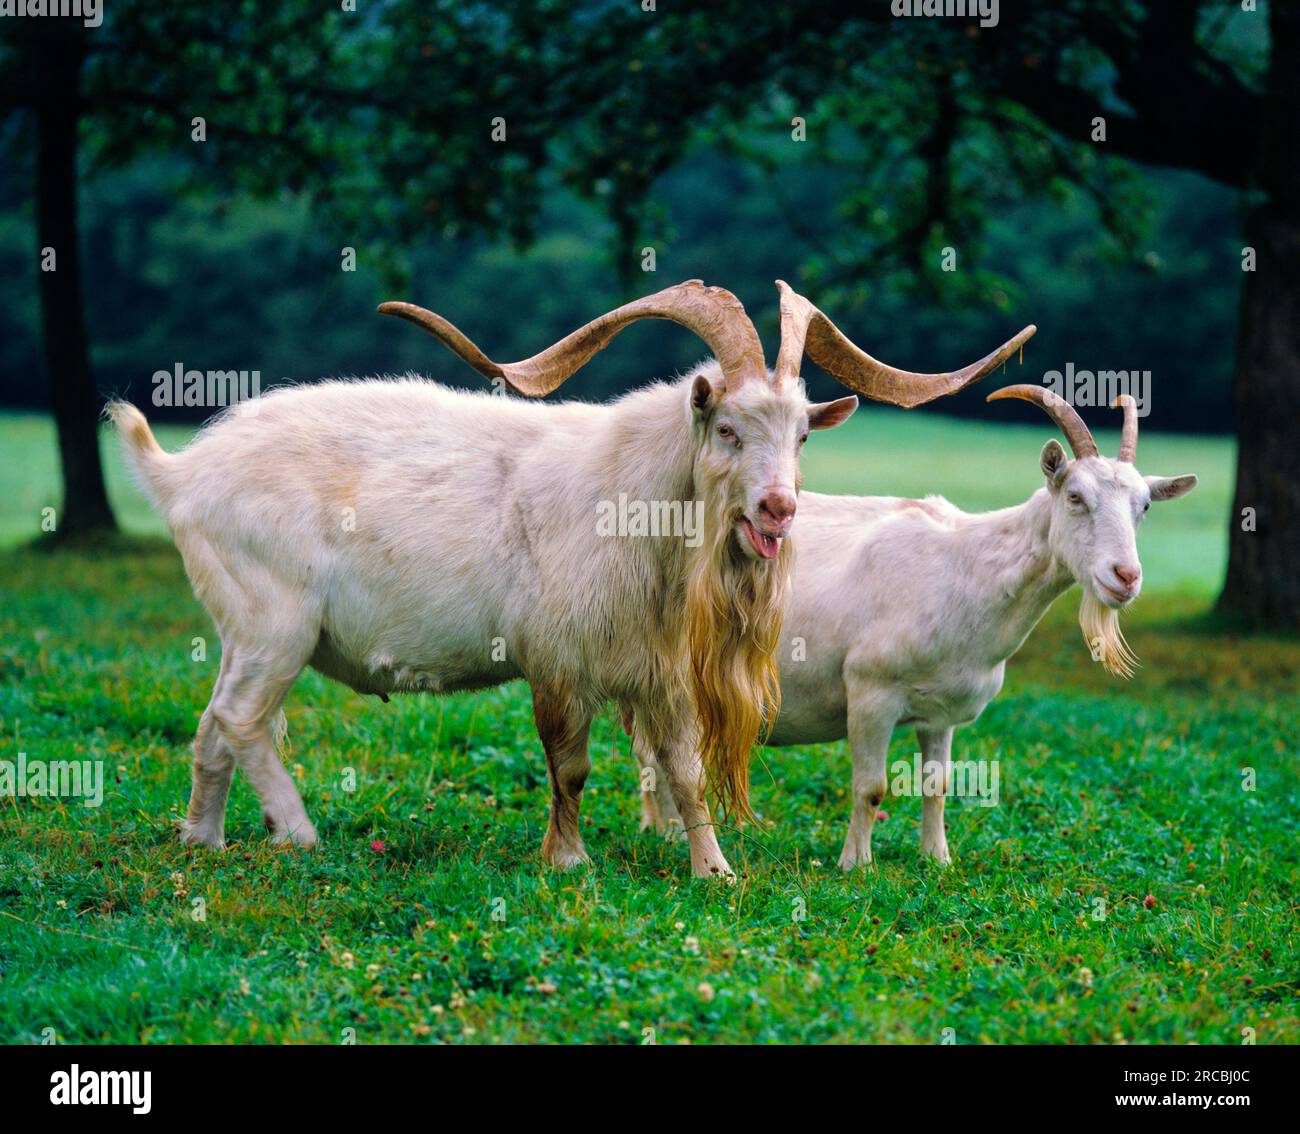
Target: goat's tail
{"x": 148, "y": 459}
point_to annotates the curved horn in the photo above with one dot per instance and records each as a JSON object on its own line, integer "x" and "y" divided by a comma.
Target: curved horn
{"x": 713, "y": 313}
{"x": 1128, "y": 439}
{"x": 804, "y": 329}
{"x": 1059, "y": 410}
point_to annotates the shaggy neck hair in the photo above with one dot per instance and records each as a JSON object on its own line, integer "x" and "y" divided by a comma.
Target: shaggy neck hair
{"x": 735, "y": 607}
{"x": 714, "y": 605}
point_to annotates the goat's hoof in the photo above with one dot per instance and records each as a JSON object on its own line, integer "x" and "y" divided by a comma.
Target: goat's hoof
{"x": 568, "y": 858}
{"x": 852, "y": 859}
{"x": 199, "y": 835}
{"x": 938, "y": 855}
{"x": 715, "y": 872}
{"x": 671, "y": 829}
{"x": 301, "y": 834}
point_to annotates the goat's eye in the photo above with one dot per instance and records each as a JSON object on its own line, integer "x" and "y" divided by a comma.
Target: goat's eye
{"x": 1147, "y": 506}
{"x": 803, "y": 438}
{"x": 1075, "y": 500}
{"x": 726, "y": 432}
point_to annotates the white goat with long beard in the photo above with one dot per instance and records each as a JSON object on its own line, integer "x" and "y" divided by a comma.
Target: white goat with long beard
{"x": 399, "y": 536}
{"x": 906, "y": 611}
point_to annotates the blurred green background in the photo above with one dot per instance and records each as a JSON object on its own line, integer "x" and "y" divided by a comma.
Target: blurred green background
{"x": 256, "y": 285}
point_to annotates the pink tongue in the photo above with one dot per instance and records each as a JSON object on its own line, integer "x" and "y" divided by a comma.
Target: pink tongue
{"x": 769, "y": 547}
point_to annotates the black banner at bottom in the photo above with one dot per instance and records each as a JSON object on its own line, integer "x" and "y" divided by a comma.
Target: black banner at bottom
{"x": 147, "y": 1083}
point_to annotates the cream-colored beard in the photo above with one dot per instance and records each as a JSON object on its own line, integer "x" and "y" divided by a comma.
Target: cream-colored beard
{"x": 1100, "y": 626}
{"x": 734, "y": 609}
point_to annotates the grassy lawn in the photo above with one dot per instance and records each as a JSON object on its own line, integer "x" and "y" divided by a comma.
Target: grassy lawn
{"x": 426, "y": 913}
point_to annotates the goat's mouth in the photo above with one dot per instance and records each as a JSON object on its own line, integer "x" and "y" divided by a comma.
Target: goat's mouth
{"x": 1112, "y": 596}
{"x": 764, "y": 545}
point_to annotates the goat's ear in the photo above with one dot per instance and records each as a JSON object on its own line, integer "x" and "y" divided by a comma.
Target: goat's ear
{"x": 827, "y": 415}
{"x": 1054, "y": 463}
{"x": 1170, "y": 487}
{"x": 703, "y": 396}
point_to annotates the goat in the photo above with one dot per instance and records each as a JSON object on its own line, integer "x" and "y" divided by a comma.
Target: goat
{"x": 906, "y": 611}
{"x": 399, "y": 536}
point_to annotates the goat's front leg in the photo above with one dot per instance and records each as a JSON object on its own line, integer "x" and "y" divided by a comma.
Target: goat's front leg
{"x": 564, "y": 727}
{"x": 936, "y": 767}
{"x": 869, "y": 733}
{"x": 679, "y": 758}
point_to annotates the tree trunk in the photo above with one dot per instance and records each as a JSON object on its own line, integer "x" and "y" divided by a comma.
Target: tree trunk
{"x": 73, "y": 397}
{"x": 1262, "y": 590}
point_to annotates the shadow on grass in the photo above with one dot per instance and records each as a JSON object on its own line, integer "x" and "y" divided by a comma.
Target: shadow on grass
{"x": 97, "y": 544}
{"x": 1181, "y": 643}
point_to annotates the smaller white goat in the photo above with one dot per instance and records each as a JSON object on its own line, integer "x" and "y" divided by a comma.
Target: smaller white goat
{"x": 906, "y": 611}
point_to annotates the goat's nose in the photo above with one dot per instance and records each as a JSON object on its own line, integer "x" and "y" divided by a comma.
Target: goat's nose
{"x": 777, "y": 507}
{"x": 1128, "y": 575}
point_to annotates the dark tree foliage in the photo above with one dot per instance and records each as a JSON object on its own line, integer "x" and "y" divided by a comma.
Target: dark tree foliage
{"x": 935, "y": 127}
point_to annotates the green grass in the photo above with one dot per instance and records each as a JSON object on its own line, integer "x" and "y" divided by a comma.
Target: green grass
{"x": 454, "y": 931}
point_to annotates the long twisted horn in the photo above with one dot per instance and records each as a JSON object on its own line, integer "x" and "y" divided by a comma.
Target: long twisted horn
{"x": 1128, "y": 439}
{"x": 1059, "y": 410}
{"x": 804, "y": 329}
{"x": 713, "y": 313}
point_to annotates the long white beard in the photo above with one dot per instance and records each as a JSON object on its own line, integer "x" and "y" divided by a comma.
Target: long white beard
{"x": 1100, "y": 626}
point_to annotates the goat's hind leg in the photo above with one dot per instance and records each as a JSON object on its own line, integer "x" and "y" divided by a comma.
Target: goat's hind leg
{"x": 658, "y": 810}
{"x": 564, "y": 727}
{"x": 247, "y": 713}
{"x": 210, "y": 774}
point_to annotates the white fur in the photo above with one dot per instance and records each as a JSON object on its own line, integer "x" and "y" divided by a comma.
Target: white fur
{"x": 907, "y": 611}
{"x": 398, "y": 536}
